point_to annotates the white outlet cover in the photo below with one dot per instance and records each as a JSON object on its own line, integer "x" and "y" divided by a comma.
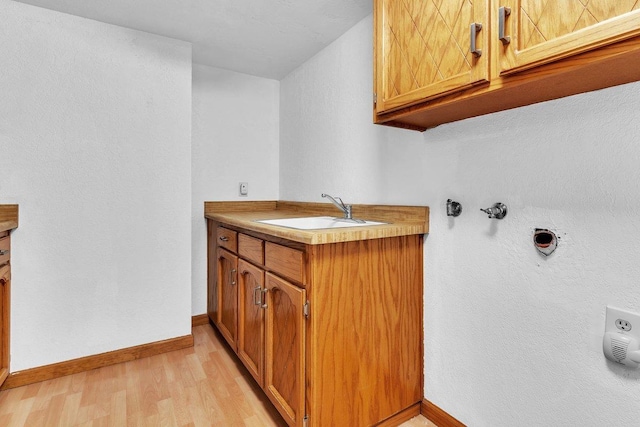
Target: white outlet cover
{"x": 619, "y": 344}
{"x": 614, "y": 314}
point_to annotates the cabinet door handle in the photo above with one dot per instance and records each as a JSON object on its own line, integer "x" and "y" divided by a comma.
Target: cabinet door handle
{"x": 256, "y": 296}
{"x": 475, "y": 29}
{"x": 224, "y": 238}
{"x": 503, "y": 12}
{"x": 4, "y": 252}
{"x": 233, "y": 276}
{"x": 264, "y": 298}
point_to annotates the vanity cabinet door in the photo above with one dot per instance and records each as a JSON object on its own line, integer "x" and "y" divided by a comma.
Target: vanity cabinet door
{"x": 423, "y": 49}
{"x": 284, "y": 350}
{"x": 5, "y": 284}
{"x": 251, "y": 319}
{"x": 228, "y": 296}
{"x": 541, "y": 31}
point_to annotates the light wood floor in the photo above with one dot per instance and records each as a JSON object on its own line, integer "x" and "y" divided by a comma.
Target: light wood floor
{"x": 200, "y": 386}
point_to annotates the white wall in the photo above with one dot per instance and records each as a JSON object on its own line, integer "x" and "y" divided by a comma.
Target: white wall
{"x": 95, "y": 131}
{"x": 511, "y": 338}
{"x": 235, "y": 139}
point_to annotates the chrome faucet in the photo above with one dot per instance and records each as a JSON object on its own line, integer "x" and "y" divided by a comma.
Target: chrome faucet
{"x": 498, "y": 210}
{"x": 346, "y": 209}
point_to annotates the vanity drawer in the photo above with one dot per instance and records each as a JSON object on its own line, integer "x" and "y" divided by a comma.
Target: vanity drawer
{"x": 251, "y": 248}
{"x": 227, "y": 239}
{"x": 5, "y": 244}
{"x": 285, "y": 261}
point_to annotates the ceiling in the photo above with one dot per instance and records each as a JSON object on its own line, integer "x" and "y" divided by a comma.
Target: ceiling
{"x": 266, "y": 38}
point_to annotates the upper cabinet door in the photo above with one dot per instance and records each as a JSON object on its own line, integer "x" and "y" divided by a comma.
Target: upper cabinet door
{"x": 424, "y": 48}
{"x": 536, "y": 32}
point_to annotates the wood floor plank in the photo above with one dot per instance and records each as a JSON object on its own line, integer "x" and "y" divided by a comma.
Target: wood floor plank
{"x": 70, "y": 409}
{"x": 8, "y": 401}
{"x": 201, "y": 386}
{"x": 166, "y": 413}
{"x": 119, "y": 408}
{"x": 180, "y": 405}
{"x": 21, "y": 412}
{"x": 54, "y": 410}
{"x": 35, "y": 418}
{"x": 31, "y": 390}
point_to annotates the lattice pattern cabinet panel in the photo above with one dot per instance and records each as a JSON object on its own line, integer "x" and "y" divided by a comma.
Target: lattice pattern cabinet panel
{"x": 542, "y": 31}
{"x": 423, "y": 49}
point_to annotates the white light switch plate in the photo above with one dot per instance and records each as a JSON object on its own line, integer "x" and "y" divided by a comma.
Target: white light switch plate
{"x": 244, "y": 189}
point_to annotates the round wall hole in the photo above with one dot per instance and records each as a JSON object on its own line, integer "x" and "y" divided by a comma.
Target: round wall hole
{"x": 545, "y": 241}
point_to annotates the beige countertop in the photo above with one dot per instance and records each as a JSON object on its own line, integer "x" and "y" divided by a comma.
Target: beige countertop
{"x": 8, "y": 217}
{"x": 401, "y": 220}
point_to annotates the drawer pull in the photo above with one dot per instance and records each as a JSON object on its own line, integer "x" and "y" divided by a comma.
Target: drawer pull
{"x": 503, "y": 12}
{"x": 475, "y": 29}
{"x": 257, "y": 300}
{"x": 224, "y": 238}
{"x": 4, "y": 252}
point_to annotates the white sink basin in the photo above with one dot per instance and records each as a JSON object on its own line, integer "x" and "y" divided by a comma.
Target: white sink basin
{"x": 316, "y": 222}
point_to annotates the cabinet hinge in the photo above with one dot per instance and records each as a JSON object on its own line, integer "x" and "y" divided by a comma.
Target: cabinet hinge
{"x": 305, "y": 421}
{"x": 305, "y": 309}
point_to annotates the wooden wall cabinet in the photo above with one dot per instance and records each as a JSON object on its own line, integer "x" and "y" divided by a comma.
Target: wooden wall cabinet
{"x": 527, "y": 51}
{"x": 424, "y": 49}
{"x": 332, "y": 332}
{"x": 537, "y": 32}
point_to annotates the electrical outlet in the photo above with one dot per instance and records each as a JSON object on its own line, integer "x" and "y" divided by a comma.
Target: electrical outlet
{"x": 620, "y": 343}
{"x": 623, "y": 325}
{"x": 622, "y": 321}
{"x": 244, "y": 189}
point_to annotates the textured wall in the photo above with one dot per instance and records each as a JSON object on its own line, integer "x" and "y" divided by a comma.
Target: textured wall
{"x": 511, "y": 338}
{"x": 235, "y": 139}
{"x": 95, "y": 130}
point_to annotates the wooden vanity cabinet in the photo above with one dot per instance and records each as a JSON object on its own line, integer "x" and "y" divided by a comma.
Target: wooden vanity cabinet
{"x": 531, "y": 51}
{"x": 271, "y": 329}
{"x": 5, "y": 294}
{"x": 332, "y": 332}
{"x": 260, "y": 314}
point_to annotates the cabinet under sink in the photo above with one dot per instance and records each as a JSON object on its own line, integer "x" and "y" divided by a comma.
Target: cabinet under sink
{"x": 326, "y": 329}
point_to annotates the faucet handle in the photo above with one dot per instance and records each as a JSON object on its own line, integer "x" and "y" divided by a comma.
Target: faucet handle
{"x": 336, "y": 200}
{"x": 497, "y": 211}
